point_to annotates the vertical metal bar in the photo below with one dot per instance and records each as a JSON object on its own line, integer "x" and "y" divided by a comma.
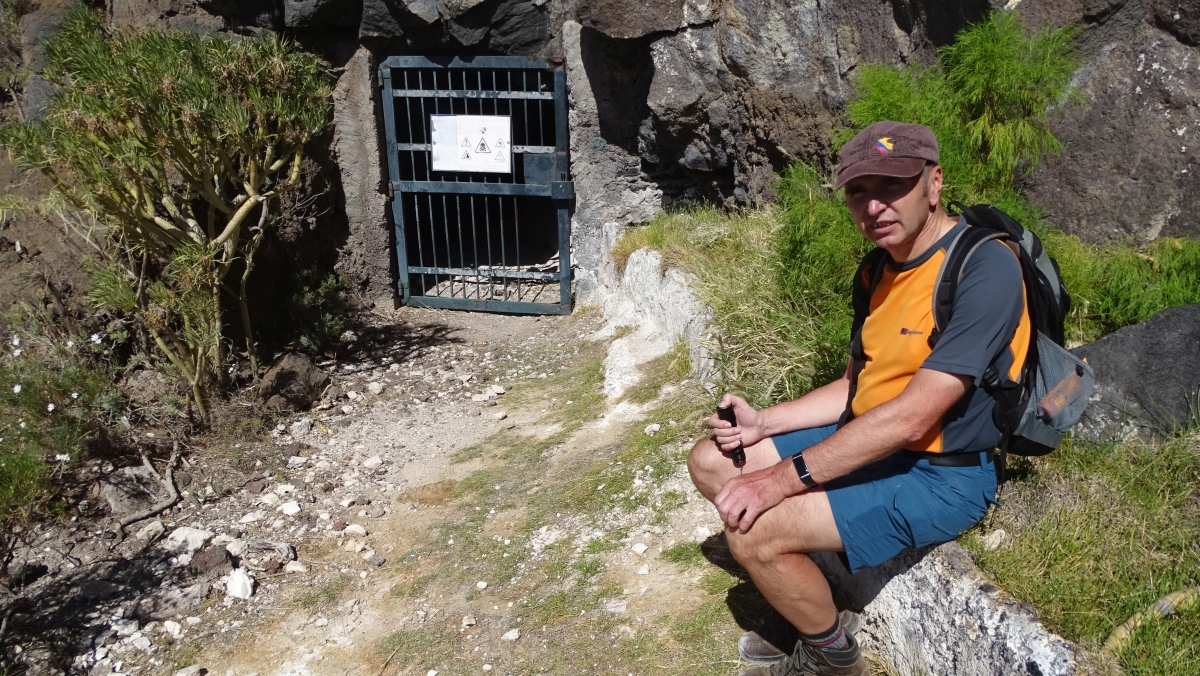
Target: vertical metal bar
{"x": 517, "y": 241}
{"x": 462, "y": 258}
{"x": 389, "y": 125}
{"x": 488, "y": 237}
{"x": 446, "y": 232}
{"x": 563, "y": 167}
{"x": 541, "y": 124}
{"x": 487, "y": 214}
{"x": 525, "y": 103}
{"x": 424, "y": 123}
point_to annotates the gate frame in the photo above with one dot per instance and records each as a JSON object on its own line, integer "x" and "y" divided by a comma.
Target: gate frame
{"x": 561, "y": 192}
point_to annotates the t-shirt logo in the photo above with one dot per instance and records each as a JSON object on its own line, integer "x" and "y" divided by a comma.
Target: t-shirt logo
{"x": 910, "y": 332}
{"x": 884, "y": 145}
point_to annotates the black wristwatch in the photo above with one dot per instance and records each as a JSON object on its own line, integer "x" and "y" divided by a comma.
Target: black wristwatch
{"x": 802, "y": 470}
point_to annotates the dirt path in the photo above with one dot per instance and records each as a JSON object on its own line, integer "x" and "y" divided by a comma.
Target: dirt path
{"x": 547, "y": 529}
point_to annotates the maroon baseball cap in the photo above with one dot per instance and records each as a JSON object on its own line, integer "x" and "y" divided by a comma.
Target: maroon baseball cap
{"x": 887, "y": 149}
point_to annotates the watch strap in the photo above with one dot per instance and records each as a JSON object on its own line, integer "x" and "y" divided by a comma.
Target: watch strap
{"x": 802, "y": 469}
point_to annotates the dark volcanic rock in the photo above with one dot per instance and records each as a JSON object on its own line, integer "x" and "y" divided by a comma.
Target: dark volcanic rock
{"x": 1147, "y": 377}
{"x": 293, "y": 383}
{"x": 1128, "y": 169}
{"x": 310, "y": 13}
{"x": 1179, "y": 18}
{"x": 214, "y": 561}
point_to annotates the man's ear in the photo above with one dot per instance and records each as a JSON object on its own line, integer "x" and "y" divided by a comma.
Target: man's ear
{"x": 934, "y": 182}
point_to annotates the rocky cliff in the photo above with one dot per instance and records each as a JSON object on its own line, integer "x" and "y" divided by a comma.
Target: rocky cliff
{"x": 700, "y": 100}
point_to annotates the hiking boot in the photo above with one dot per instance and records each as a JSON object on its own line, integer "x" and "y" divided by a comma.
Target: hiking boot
{"x": 810, "y": 661}
{"x": 764, "y": 650}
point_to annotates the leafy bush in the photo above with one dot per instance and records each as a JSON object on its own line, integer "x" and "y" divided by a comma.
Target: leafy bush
{"x": 171, "y": 141}
{"x": 313, "y": 308}
{"x": 54, "y": 397}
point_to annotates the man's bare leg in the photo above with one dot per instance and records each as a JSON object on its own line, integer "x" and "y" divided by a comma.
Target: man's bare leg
{"x": 774, "y": 550}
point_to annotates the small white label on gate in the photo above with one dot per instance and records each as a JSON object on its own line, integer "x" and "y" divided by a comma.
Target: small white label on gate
{"x": 471, "y": 143}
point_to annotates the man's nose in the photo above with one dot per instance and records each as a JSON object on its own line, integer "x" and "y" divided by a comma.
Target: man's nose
{"x": 875, "y": 207}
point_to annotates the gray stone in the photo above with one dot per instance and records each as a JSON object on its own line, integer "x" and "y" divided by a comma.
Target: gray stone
{"x": 1138, "y": 81}
{"x": 189, "y": 16}
{"x": 293, "y": 383}
{"x": 314, "y": 13}
{"x": 194, "y": 670}
{"x": 186, "y": 540}
{"x": 301, "y": 427}
{"x": 932, "y": 611}
{"x": 634, "y": 18}
{"x": 376, "y": 560}
{"x": 367, "y": 253}
{"x": 132, "y": 490}
{"x": 1147, "y": 377}
{"x": 283, "y": 551}
{"x": 169, "y": 602}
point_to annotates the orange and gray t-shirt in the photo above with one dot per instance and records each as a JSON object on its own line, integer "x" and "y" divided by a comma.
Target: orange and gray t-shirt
{"x": 989, "y": 326}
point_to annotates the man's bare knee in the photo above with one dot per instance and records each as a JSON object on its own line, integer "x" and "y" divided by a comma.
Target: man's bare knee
{"x": 702, "y": 464}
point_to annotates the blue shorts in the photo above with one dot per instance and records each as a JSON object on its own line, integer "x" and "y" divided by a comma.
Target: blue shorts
{"x": 898, "y": 502}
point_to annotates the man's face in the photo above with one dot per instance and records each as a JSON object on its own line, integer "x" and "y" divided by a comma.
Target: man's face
{"x": 891, "y": 212}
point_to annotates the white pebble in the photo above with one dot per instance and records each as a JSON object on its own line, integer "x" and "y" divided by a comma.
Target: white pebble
{"x": 640, "y": 548}
{"x": 644, "y": 570}
{"x": 481, "y": 585}
{"x": 511, "y": 635}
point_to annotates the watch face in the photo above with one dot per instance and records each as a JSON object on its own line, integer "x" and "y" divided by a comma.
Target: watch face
{"x": 802, "y": 470}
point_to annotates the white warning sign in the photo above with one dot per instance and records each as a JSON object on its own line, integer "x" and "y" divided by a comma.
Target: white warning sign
{"x": 471, "y": 143}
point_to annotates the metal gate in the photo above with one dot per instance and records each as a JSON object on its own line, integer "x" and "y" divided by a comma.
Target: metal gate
{"x": 479, "y": 225}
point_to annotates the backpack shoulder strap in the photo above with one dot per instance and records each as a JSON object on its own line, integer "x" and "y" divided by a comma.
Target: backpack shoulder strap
{"x": 958, "y": 254}
{"x": 866, "y": 280}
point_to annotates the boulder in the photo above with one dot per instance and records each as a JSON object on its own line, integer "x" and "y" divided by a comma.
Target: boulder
{"x": 293, "y": 383}
{"x": 132, "y": 490}
{"x": 1147, "y": 377}
{"x": 932, "y": 611}
{"x": 313, "y": 13}
{"x": 1138, "y": 80}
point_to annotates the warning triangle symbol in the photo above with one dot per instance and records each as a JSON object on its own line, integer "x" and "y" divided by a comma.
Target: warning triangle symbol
{"x": 465, "y": 156}
{"x": 482, "y": 147}
{"x": 466, "y": 142}
{"x": 499, "y": 142}
{"x": 499, "y": 156}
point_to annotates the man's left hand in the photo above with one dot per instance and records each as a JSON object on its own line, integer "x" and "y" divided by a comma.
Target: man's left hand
{"x": 746, "y": 497}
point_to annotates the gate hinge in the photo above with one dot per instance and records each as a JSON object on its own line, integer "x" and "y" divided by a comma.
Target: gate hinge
{"x": 391, "y": 194}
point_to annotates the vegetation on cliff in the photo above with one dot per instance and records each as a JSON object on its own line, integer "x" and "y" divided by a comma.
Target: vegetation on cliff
{"x": 177, "y": 145}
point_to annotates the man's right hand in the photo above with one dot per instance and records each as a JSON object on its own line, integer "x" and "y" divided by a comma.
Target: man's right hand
{"x": 747, "y": 433}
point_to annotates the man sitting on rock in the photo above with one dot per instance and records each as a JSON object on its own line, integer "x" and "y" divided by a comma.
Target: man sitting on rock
{"x": 913, "y": 464}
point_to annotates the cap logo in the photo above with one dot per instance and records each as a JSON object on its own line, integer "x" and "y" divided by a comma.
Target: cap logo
{"x": 884, "y": 145}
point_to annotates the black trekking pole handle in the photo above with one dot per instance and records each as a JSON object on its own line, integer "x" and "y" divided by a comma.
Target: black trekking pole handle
{"x": 739, "y": 454}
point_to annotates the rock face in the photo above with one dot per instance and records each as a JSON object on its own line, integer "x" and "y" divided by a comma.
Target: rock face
{"x": 930, "y": 611}
{"x": 293, "y": 383}
{"x": 366, "y": 256}
{"x": 1147, "y": 377}
{"x": 1128, "y": 168}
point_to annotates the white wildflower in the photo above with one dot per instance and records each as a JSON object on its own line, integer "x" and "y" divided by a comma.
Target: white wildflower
{"x": 16, "y": 353}
{"x": 62, "y": 457}
{"x": 49, "y": 408}
{"x": 16, "y": 389}
{"x": 70, "y": 343}
{"x": 21, "y": 424}
{"x": 95, "y": 338}
{"x": 16, "y": 341}
{"x": 74, "y": 395}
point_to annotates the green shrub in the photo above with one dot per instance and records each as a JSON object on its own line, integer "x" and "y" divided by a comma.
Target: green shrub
{"x": 172, "y": 141}
{"x": 54, "y": 397}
